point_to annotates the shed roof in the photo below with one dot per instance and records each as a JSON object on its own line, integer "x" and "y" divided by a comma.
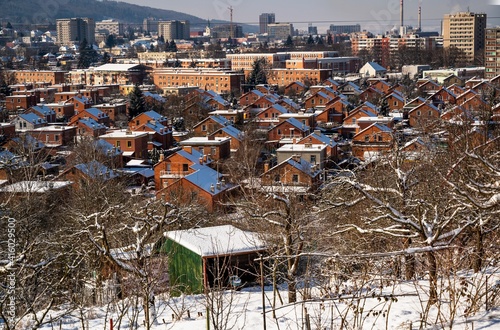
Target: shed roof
{"x": 218, "y": 240}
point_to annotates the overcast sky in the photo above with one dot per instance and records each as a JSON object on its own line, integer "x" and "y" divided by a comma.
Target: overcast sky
{"x": 373, "y": 15}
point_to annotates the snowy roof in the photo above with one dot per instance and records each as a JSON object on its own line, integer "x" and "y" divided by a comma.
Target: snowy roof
{"x": 232, "y": 131}
{"x": 95, "y": 170}
{"x": 290, "y": 103}
{"x": 297, "y": 124}
{"x": 115, "y": 67}
{"x": 220, "y": 120}
{"x": 96, "y": 113}
{"x": 376, "y": 66}
{"x": 279, "y": 108}
{"x": 154, "y": 115}
{"x": 157, "y": 127}
{"x": 107, "y": 148}
{"x": 43, "y": 109}
{"x": 155, "y": 96}
{"x": 194, "y": 156}
{"x": 35, "y": 186}
{"x": 219, "y": 240}
{"x": 323, "y": 138}
{"x": 91, "y": 123}
{"x": 32, "y": 118}
{"x": 208, "y": 179}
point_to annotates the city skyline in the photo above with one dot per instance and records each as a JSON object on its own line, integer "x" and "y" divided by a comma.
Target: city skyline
{"x": 378, "y": 16}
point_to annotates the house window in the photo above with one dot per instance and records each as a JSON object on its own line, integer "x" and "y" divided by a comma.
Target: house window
{"x": 276, "y": 178}
{"x": 419, "y": 113}
{"x": 185, "y": 167}
{"x": 56, "y": 137}
{"x": 313, "y": 159}
{"x": 137, "y": 122}
{"x": 213, "y": 151}
{"x": 169, "y": 167}
{"x": 279, "y": 131}
{"x": 118, "y": 144}
{"x": 129, "y": 144}
{"x": 379, "y": 138}
{"x": 395, "y": 103}
{"x": 430, "y": 113}
{"x": 204, "y": 128}
{"x": 295, "y": 178}
{"x": 367, "y": 138}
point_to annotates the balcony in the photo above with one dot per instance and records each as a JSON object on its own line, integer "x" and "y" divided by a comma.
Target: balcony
{"x": 173, "y": 174}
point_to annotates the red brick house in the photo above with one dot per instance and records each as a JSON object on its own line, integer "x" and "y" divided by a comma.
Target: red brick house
{"x": 250, "y": 97}
{"x": 43, "y": 111}
{"x": 443, "y": 97}
{"x": 113, "y": 110}
{"x": 64, "y": 111}
{"x": 270, "y": 117}
{"x": 292, "y": 175}
{"x": 204, "y": 187}
{"x": 231, "y": 132}
{"x": 295, "y": 88}
{"x": 371, "y": 94}
{"x": 89, "y": 127}
{"x": 210, "y": 125}
{"x": 16, "y": 102}
{"x": 318, "y": 138}
{"x": 287, "y": 131}
{"x": 55, "y": 135}
{"x": 217, "y": 148}
{"x": 395, "y": 101}
{"x": 93, "y": 113}
{"x": 423, "y": 115}
{"x": 146, "y": 117}
{"x": 319, "y": 99}
{"x": 177, "y": 165}
{"x": 160, "y": 136}
{"x": 133, "y": 144}
{"x": 80, "y": 103}
{"x": 373, "y": 141}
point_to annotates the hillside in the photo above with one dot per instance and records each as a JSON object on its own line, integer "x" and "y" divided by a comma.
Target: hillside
{"x": 42, "y": 12}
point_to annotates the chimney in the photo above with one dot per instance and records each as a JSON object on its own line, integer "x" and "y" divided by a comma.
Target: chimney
{"x": 212, "y": 188}
{"x": 188, "y": 149}
{"x": 162, "y": 157}
{"x": 401, "y": 15}
{"x": 219, "y": 185}
{"x": 420, "y": 16}
{"x": 266, "y": 167}
{"x": 201, "y": 160}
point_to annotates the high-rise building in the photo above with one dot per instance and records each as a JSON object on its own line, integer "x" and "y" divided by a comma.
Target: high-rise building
{"x": 264, "y": 20}
{"x": 280, "y": 30}
{"x": 492, "y": 53}
{"x": 466, "y": 31}
{"x": 224, "y": 31}
{"x": 341, "y": 29}
{"x": 75, "y": 30}
{"x": 171, "y": 30}
{"x": 150, "y": 25}
{"x": 108, "y": 27}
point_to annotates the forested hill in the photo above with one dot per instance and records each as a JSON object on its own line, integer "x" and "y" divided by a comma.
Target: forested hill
{"x": 47, "y": 11}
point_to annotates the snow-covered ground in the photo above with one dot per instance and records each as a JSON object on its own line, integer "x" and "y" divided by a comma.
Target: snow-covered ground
{"x": 399, "y": 306}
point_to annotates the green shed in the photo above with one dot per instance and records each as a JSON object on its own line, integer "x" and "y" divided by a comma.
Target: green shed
{"x": 203, "y": 257}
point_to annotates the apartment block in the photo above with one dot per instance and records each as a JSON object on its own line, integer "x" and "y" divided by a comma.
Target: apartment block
{"x": 219, "y": 81}
{"x": 492, "y": 53}
{"x": 171, "y": 30}
{"x": 264, "y": 20}
{"x": 466, "y": 31}
{"x": 108, "y": 27}
{"x": 75, "y": 30}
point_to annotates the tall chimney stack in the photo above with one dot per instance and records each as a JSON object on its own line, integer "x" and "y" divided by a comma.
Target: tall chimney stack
{"x": 420, "y": 16}
{"x": 401, "y": 15}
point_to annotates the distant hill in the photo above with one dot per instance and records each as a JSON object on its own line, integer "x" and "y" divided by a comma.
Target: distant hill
{"x": 44, "y": 12}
